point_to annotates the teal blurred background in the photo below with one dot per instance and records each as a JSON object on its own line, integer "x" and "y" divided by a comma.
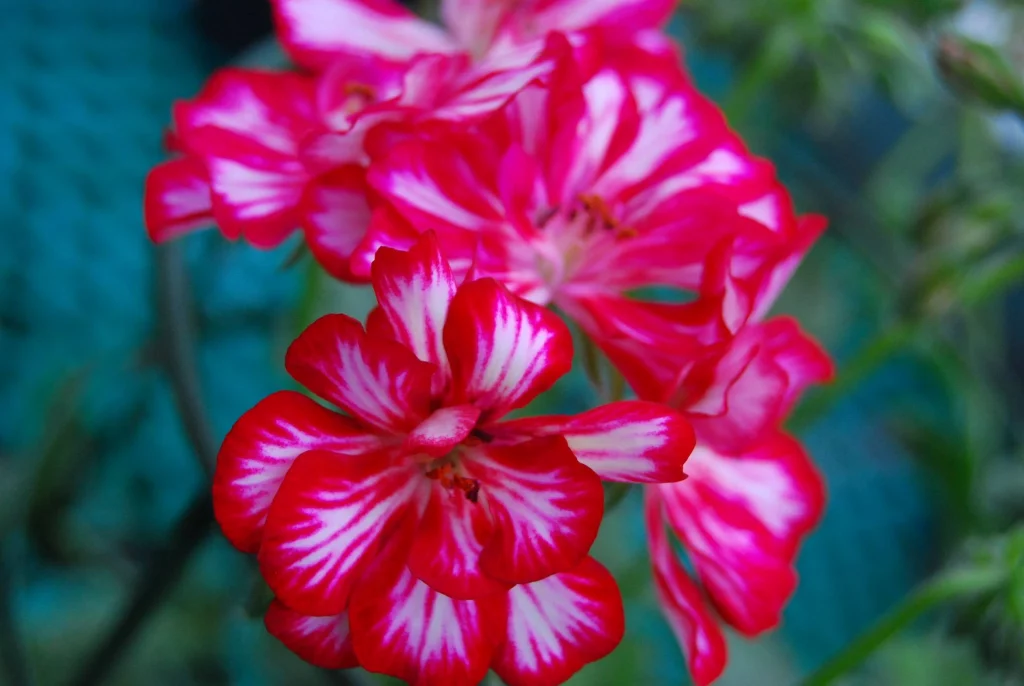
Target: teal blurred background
{"x": 914, "y": 289}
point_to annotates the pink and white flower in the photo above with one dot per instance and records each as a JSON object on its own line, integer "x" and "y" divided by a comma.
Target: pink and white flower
{"x": 615, "y": 176}
{"x": 317, "y": 32}
{"x": 494, "y": 503}
{"x": 538, "y": 633}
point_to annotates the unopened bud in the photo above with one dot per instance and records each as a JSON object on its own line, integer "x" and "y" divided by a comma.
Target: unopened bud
{"x": 978, "y": 70}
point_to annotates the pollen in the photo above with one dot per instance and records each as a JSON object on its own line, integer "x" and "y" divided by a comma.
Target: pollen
{"x": 452, "y": 481}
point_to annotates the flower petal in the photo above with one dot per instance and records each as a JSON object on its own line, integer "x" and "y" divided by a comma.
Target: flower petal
{"x": 177, "y": 199}
{"x": 474, "y": 22}
{"x": 630, "y": 440}
{"x": 547, "y": 507}
{"x": 742, "y": 518}
{"x": 695, "y": 627}
{"x": 446, "y": 552}
{"x": 415, "y": 289}
{"x": 321, "y": 641}
{"x": 749, "y": 387}
{"x": 336, "y": 218}
{"x": 625, "y": 16}
{"x": 259, "y": 450}
{"x": 560, "y": 624}
{"x": 327, "y": 523}
{"x": 504, "y": 351}
{"x": 443, "y": 430}
{"x": 246, "y": 126}
{"x": 377, "y": 380}
{"x": 402, "y": 627}
{"x": 316, "y": 31}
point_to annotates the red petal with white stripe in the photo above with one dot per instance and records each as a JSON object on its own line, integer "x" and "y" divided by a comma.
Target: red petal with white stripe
{"x": 753, "y": 383}
{"x": 379, "y": 381}
{"x": 560, "y": 624}
{"x": 443, "y": 430}
{"x": 695, "y": 627}
{"x": 631, "y": 440}
{"x": 415, "y": 288}
{"x": 321, "y": 641}
{"x": 177, "y": 199}
{"x": 446, "y": 551}
{"x": 259, "y": 450}
{"x": 402, "y": 627}
{"x": 625, "y": 16}
{"x": 336, "y": 218}
{"x": 328, "y": 521}
{"x": 315, "y": 32}
{"x": 504, "y": 351}
{"x": 246, "y": 126}
{"x": 546, "y": 506}
{"x": 742, "y": 518}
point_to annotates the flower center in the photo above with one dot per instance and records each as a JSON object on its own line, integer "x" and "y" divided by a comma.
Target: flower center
{"x": 578, "y": 239}
{"x": 358, "y": 96}
{"x": 445, "y": 471}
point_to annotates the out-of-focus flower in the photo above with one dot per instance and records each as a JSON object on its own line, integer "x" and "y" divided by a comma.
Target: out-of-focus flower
{"x": 539, "y": 633}
{"x": 262, "y": 154}
{"x": 616, "y": 176}
{"x": 316, "y": 32}
{"x": 490, "y": 504}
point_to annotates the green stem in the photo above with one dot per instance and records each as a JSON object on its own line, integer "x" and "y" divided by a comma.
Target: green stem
{"x": 868, "y": 360}
{"x": 933, "y": 593}
{"x": 156, "y": 580}
{"x": 177, "y": 352}
{"x": 165, "y": 567}
{"x": 12, "y": 654}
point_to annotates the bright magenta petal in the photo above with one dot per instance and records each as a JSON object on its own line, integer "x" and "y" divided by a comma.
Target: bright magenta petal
{"x": 316, "y": 31}
{"x": 402, "y": 627}
{"x": 631, "y": 440}
{"x": 415, "y": 288}
{"x": 742, "y": 518}
{"x": 246, "y": 127}
{"x": 443, "y": 430}
{"x": 377, "y": 380}
{"x": 259, "y": 450}
{"x": 446, "y": 550}
{"x": 336, "y": 218}
{"x": 560, "y": 624}
{"x": 327, "y": 523}
{"x": 742, "y": 392}
{"x": 626, "y": 16}
{"x": 504, "y": 351}
{"x": 177, "y": 199}
{"x": 547, "y": 507}
{"x": 320, "y": 641}
{"x": 695, "y": 627}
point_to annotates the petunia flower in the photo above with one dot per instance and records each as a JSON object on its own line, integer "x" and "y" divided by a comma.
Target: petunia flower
{"x": 535, "y": 634}
{"x": 424, "y": 390}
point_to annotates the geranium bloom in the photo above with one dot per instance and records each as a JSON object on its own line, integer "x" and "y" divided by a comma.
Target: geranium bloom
{"x": 316, "y": 32}
{"x": 532, "y": 635}
{"x": 617, "y": 176}
{"x": 493, "y": 503}
{"x": 753, "y": 493}
{"x": 264, "y": 154}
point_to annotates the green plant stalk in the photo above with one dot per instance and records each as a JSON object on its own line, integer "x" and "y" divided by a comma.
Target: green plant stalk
{"x": 177, "y": 353}
{"x": 942, "y": 589}
{"x": 12, "y": 653}
{"x": 155, "y": 581}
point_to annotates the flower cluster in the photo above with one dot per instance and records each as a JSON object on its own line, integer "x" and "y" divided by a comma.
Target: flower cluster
{"x": 526, "y": 154}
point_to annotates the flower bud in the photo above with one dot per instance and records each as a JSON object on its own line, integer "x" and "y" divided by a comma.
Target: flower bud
{"x": 979, "y": 71}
